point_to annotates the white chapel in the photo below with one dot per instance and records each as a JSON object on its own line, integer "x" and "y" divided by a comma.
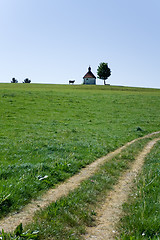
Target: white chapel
{"x": 89, "y": 77}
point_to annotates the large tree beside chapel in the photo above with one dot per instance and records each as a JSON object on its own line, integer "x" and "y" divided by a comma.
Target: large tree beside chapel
{"x": 103, "y": 71}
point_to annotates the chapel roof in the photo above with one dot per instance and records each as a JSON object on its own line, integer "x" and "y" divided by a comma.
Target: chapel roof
{"x": 89, "y": 74}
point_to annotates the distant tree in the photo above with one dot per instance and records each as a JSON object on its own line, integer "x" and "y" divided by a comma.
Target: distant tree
{"x": 14, "y": 80}
{"x": 26, "y": 80}
{"x": 103, "y": 71}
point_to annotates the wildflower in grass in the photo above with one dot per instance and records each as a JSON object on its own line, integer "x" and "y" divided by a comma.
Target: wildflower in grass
{"x": 42, "y": 178}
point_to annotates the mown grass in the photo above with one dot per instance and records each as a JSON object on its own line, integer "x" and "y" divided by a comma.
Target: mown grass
{"x": 54, "y": 130}
{"x": 141, "y": 218}
{"x": 68, "y": 217}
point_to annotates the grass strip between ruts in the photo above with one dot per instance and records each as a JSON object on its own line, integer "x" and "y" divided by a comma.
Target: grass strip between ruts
{"x": 67, "y": 217}
{"x": 141, "y": 218}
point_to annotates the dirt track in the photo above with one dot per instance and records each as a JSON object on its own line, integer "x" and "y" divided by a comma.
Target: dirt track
{"x": 110, "y": 213}
{"x": 26, "y": 215}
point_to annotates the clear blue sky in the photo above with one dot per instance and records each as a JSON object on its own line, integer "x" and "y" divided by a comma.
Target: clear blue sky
{"x": 52, "y": 41}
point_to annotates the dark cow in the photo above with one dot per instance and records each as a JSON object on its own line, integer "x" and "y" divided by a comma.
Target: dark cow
{"x": 71, "y": 81}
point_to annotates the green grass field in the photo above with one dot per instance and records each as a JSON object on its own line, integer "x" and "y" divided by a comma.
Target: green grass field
{"x": 141, "y": 218}
{"x": 54, "y": 130}
{"x": 68, "y": 217}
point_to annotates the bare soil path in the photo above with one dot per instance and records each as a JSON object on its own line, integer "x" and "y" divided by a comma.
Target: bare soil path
{"x": 10, "y": 222}
{"x": 110, "y": 212}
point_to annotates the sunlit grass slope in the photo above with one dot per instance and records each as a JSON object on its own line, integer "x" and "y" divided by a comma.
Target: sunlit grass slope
{"x": 54, "y": 130}
{"x": 68, "y": 217}
{"x": 141, "y": 218}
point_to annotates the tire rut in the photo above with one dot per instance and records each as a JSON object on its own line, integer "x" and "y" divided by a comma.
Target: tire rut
{"x": 9, "y": 223}
{"x": 110, "y": 212}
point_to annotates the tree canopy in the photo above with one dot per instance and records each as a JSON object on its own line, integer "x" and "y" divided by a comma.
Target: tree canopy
{"x": 26, "y": 80}
{"x": 103, "y": 71}
{"x": 14, "y": 80}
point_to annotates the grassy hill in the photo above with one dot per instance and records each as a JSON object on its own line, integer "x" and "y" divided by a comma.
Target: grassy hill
{"x": 54, "y": 130}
